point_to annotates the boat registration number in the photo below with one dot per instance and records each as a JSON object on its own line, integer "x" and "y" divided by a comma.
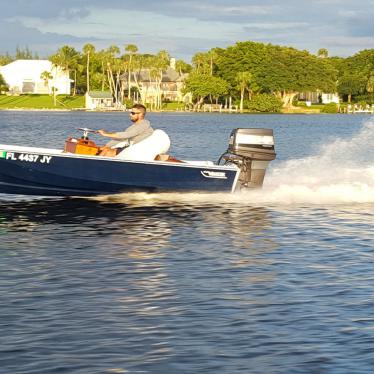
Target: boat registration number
{"x": 27, "y": 157}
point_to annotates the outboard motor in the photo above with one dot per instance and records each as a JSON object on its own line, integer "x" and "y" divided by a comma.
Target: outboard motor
{"x": 251, "y": 150}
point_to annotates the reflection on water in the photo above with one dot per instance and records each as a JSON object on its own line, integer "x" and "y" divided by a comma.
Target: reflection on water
{"x": 131, "y": 273}
{"x": 137, "y": 220}
{"x": 177, "y": 283}
{"x": 277, "y": 281}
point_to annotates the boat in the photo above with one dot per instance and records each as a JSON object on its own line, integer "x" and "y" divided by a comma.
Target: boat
{"x": 79, "y": 170}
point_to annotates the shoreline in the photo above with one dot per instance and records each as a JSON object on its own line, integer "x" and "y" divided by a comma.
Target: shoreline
{"x": 35, "y": 110}
{"x": 149, "y": 111}
{"x": 287, "y": 111}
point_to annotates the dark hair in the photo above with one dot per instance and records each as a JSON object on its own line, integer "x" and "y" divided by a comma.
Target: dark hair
{"x": 140, "y": 107}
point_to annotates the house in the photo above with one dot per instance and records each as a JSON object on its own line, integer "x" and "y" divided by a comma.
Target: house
{"x": 144, "y": 85}
{"x": 328, "y": 98}
{"x": 26, "y": 77}
{"x": 99, "y": 100}
{"x": 318, "y": 97}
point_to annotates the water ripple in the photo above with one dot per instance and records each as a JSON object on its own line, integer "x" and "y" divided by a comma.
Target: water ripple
{"x": 173, "y": 283}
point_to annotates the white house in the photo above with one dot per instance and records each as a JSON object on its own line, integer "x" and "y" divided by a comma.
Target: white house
{"x": 98, "y": 100}
{"x": 25, "y": 76}
{"x": 316, "y": 97}
{"x": 328, "y": 98}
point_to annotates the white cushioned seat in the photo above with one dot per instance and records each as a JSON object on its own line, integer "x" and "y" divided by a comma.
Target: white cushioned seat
{"x": 147, "y": 149}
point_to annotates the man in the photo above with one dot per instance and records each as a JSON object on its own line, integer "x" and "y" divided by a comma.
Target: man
{"x": 138, "y": 131}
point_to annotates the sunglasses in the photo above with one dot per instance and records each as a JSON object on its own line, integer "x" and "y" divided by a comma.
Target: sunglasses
{"x": 133, "y": 113}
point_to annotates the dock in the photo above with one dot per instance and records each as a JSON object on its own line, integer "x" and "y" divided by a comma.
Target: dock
{"x": 359, "y": 109}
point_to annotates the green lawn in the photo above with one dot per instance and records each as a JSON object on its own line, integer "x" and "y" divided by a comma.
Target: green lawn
{"x": 41, "y": 102}
{"x": 173, "y": 106}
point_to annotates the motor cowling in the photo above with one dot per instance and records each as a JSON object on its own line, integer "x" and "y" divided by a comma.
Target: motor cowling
{"x": 251, "y": 150}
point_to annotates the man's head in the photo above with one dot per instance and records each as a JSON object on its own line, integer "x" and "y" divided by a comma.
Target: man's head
{"x": 137, "y": 112}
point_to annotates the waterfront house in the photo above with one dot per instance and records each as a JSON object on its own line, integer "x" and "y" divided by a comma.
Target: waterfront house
{"x": 143, "y": 85}
{"x": 99, "y": 100}
{"x": 318, "y": 97}
{"x": 26, "y": 77}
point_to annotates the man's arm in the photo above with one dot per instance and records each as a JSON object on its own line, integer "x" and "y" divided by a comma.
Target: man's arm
{"x": 130, "y": 132}
{"x": 112, "y": 135}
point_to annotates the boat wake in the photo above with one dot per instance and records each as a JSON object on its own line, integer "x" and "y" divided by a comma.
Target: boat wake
{"x": 342, "y": 172}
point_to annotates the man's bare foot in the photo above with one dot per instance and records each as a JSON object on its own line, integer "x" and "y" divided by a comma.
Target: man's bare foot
{"x": 106, "y": 151}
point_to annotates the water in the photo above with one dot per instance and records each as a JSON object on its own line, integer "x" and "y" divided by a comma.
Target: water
{"x": 279, "y": 281}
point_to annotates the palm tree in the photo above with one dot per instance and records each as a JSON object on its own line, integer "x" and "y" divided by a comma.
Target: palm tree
{"x": 47, "y": 76}
{"x": 159, "y": 64}
{"x": 112, "y": 64}
{"x": 323, "y": 53}
{"x": 243, "y": 79}
{"x": 88, "y": 50}
{"x": 212, "y": 55}
{"x": 201, "y": 62}
{"x": 182, "y": 67}
{"x": 66, "y": 58}
{"x": 132, "y": 49}
{"x": 140, "y": 63}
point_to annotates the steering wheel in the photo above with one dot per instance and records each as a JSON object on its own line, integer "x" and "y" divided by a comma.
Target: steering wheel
{"x": 86, "y": 131}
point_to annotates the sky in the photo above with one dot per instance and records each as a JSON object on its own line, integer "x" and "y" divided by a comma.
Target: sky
{"x": 184, "y": 28}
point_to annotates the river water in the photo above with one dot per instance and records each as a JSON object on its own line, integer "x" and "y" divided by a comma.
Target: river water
{"x": 276, "y": 281}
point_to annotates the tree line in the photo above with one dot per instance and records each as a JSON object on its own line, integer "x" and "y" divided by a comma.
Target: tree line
{"x": 250, "y": 73}
{"x": 92, "y": 69}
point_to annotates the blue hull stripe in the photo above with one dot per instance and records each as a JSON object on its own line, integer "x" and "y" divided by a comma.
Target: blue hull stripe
{"x": 66, "y": 176}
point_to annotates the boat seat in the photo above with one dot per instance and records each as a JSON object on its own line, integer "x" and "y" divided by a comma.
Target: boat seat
{"x": 147, "y": 149}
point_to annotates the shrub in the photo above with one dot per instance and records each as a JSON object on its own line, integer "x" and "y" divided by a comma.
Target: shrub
{"x": 330, "y": 108}
{"x": 367, "y": 98}
{"x": 128, "y": 103}
{"x": 3, "y": 85}
{"x": 265, "y": 103}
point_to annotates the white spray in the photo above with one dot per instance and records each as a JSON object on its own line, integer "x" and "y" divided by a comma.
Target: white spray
{"x": 342, "y": 172}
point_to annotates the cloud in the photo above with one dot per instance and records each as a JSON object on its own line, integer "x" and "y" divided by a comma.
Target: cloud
{"x": 185, "y": 27}
{"x": 359, "y": 24}
{"x": 44, "y": 9}
{"x": 20, "y": 36}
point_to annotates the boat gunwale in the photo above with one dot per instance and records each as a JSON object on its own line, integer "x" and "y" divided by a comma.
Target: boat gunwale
{"x": 61, "y": 153}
